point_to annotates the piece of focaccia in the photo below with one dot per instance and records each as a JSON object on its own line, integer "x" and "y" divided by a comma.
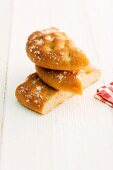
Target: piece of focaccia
{"x": 70, "y": 81}
{"x": 52, "y": 49}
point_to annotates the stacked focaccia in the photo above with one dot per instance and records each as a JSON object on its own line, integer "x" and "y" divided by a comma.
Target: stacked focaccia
{"x": 62, "y": 71}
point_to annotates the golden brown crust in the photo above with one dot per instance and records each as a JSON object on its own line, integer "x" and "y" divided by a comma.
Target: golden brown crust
{"x": 52, "y": 49}
{"x": 61, "y": 80}
{"x": 33, "y": 93}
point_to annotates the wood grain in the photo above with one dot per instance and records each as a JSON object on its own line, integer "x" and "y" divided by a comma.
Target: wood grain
{"x": 79, "y": 133}
{"x": 5, "y": 35}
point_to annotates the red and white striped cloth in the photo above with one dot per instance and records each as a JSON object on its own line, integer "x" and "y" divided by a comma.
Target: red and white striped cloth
{"x": 105, "y": 94}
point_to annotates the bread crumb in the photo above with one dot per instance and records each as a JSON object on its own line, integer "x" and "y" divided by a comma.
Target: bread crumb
{"x": 49, "y": 38}
{"x": 23, "y": 90}
{"x": 31, "y": 48}
{"x": 39, "y": 88}
{"x": 27, "y": 101}
{"x": 60, "y": 77}
{"x": 36, "y": 52}
{"x": 39, "y": 42}
{"x": 36, "y": 101}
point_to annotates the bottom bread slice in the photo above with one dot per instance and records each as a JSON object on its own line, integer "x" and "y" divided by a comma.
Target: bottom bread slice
{"x": 41, "y": 98}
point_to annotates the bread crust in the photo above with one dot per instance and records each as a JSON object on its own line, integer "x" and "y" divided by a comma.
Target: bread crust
{"x": 33, "y": 93}
{"x": 52, "y": 49}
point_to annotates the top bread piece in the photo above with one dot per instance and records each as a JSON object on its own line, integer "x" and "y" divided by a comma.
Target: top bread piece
{"x": 52, "y": 49}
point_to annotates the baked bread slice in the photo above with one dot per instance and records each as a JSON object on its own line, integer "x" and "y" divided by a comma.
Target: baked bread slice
{"x": 52, "y": 49}
{"x": 70, "y": 81}
{"x": 39, "y": 97}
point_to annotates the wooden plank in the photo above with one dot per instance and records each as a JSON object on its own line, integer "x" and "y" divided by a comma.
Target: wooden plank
{"x": 76, "y": 135}
{"x": 100, "y": 17}
{"x": 5, "y": 34}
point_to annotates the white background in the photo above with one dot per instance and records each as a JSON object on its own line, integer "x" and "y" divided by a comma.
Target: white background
{"x": 78, "y": 135}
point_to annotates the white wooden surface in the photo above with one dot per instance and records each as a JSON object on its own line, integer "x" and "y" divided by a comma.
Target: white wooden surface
{"x": 78, "y": 134}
